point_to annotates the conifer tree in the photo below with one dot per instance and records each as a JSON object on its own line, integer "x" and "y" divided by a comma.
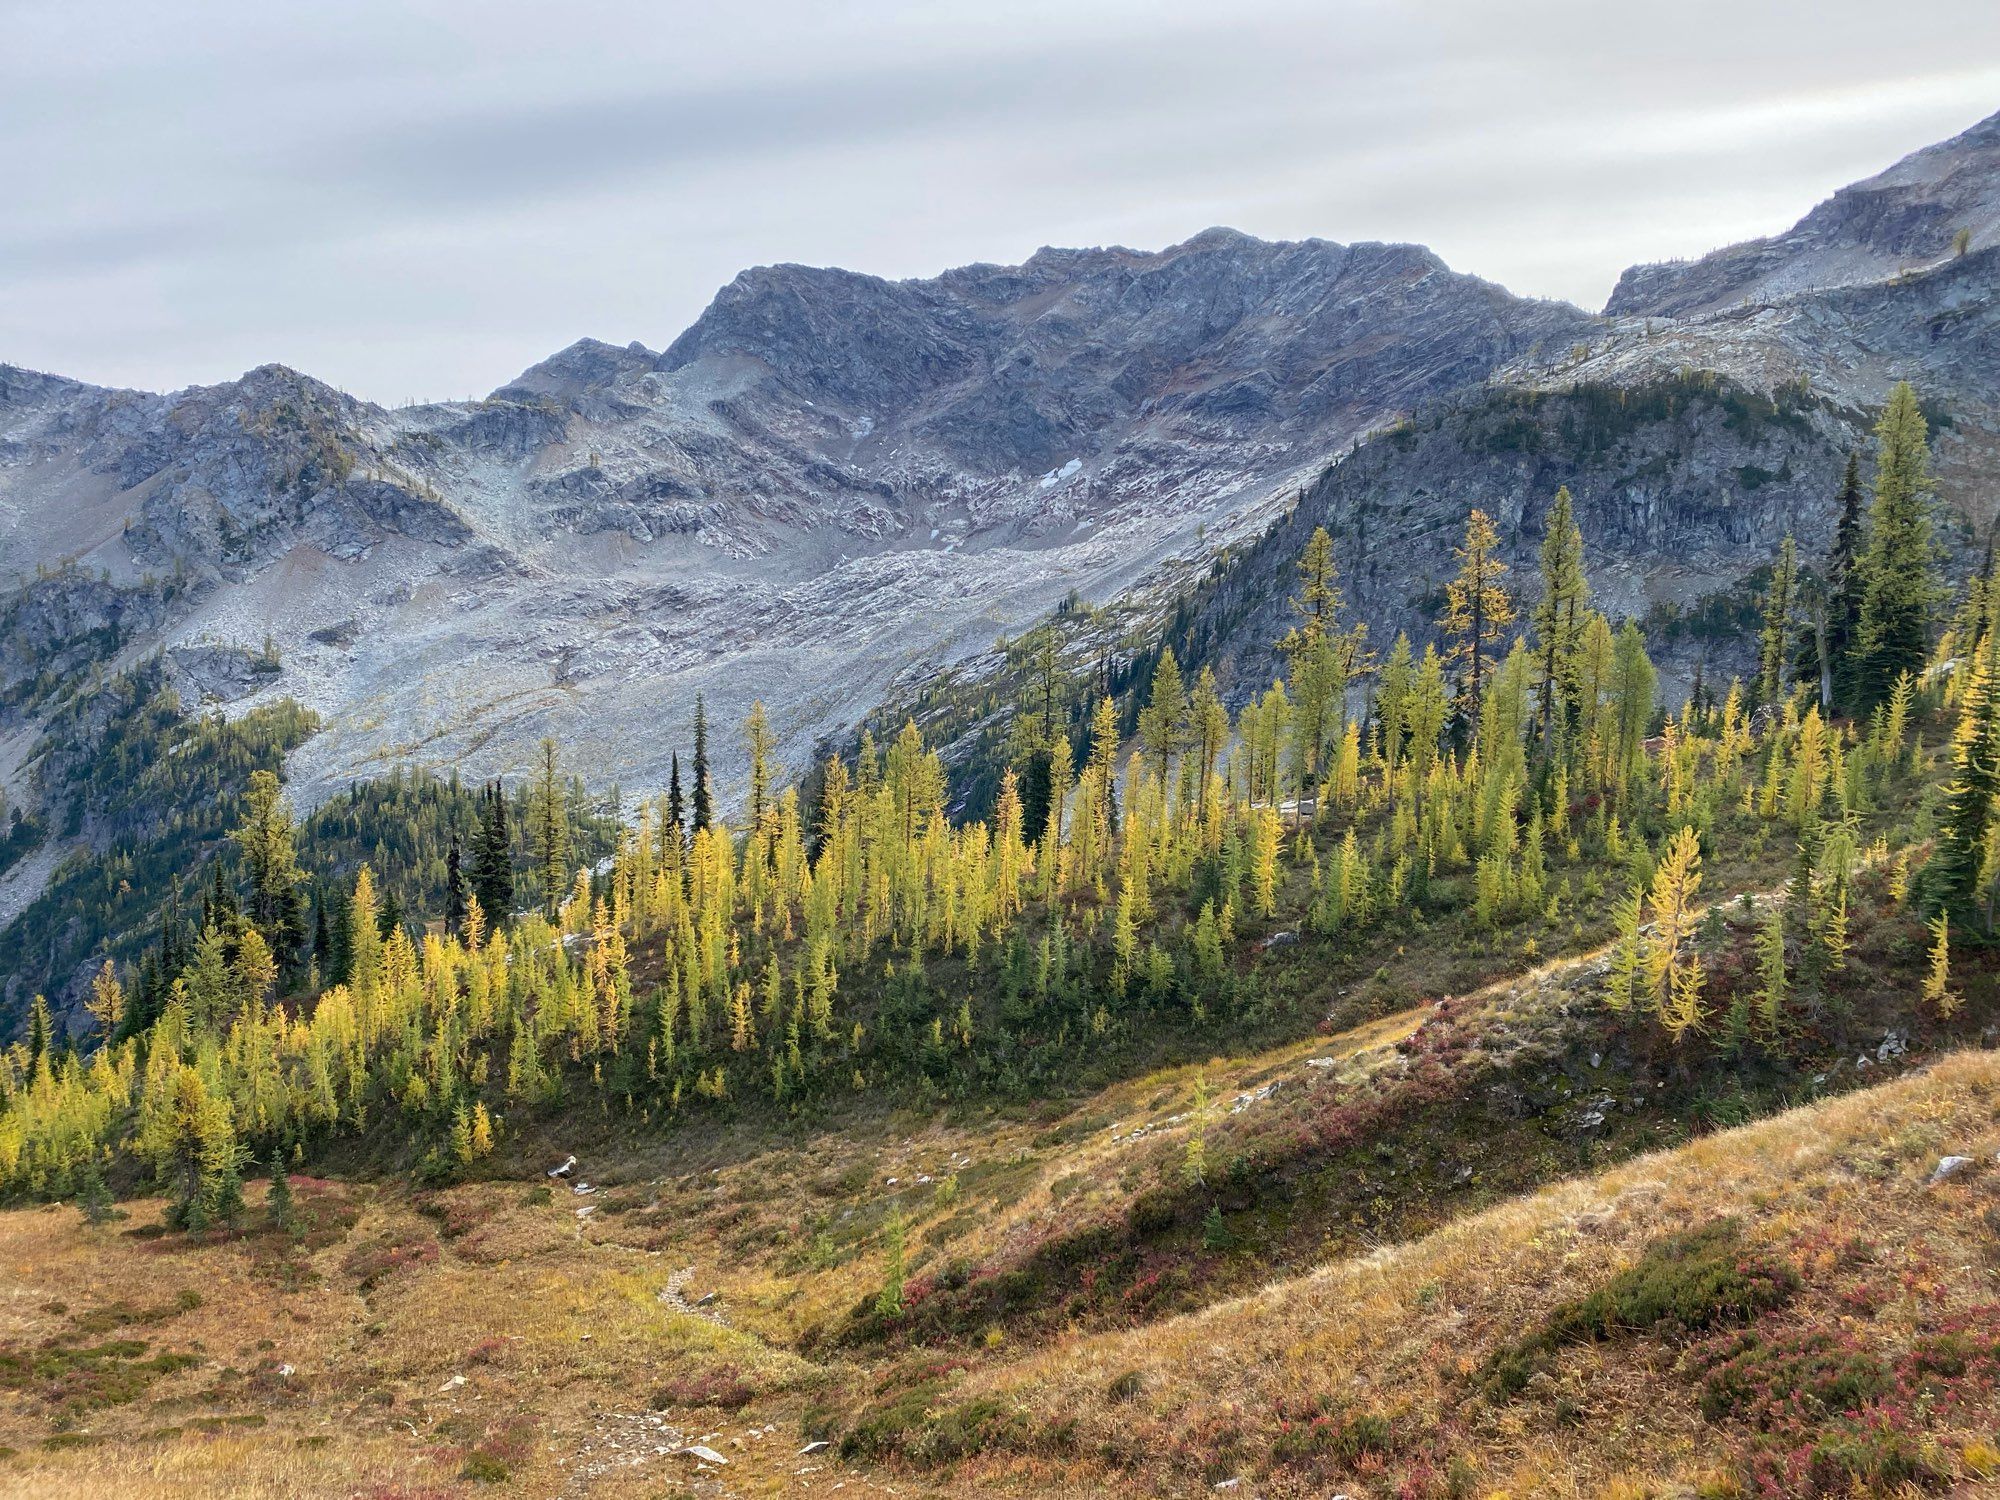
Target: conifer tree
{"x": 1559, "y": 617}
{"x": 493, "y": 883}
{"x": 1774, "y": 655}
{"x": 704, "y": 805}
{"x": 757, "y": 740}
{"x": 280, "y": 1210}
{"x": 889, "y": 1301}
{"x": 1937, "y": 990}
{"x": 1477, "y": 611}
{"x": 1951, "y": 880}
{"x": 1392, "y": 703}
{"x": 107, "y": 1000}
{"x": 1163, "y": 721}
{"x": 1321, "y": 659}
{"x": 676, "y": 803}
{"x": 41, "y": 1033}
{"x": 1771, "y": 971}
{"x": 551, "y": 830}
{"x": 1828, "y": 658}
{"x": 1900, "y": 591}
{"x": 457, "y": 891}
{"x": 1429, "y": 707}
{"x": 1673, "y": 995}
{"x": 277, "y": 902}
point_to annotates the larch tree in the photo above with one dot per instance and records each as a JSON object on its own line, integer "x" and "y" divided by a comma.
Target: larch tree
{"x": 1672, "y": 978}
{"x": 1163, "y": 721}
{"x": 1321, "y": 658}
{"x": 1477, "y": 611}
{"x": 1952, "y": 881}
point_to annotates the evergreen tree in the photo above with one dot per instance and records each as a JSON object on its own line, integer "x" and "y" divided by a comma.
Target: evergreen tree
{"x": 390, "y": 917}
{"x": 93, "y": 1198}
{"x": 1900, "y": 591}
{"x": 280, "y": 1210}
{"x": 457, "y": 891}
{"x": 551, "y": 829}
{"x": 322, "y": 942}
{"x": 41, "y": 1033}
{"x": 676, "y": 803}
{"x": 757, "y": 740}
{"x": 1559, "y": 617}
{"x": 1775, "y": 653}
{"x": 266, "y": 841}
{"x": 704, "y": 806}
{"x": 1843, "y": 590}
{"x": 493, "y": 857}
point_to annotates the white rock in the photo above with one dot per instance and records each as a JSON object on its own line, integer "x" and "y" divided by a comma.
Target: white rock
{"x": 705, "y": 1455}
{"x": 1948, "y": 1167}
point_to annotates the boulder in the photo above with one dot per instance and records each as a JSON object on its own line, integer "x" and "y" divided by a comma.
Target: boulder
{"x": 1947, "y": 1168}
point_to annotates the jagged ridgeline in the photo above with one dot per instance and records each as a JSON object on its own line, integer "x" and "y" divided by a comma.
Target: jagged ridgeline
{"x": 1510, "y": 780}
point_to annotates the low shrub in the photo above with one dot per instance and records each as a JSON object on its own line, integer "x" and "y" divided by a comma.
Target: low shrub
{"x": 1682, "y": 1284}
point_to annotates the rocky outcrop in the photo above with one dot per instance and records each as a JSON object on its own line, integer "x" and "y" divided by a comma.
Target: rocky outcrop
{"x": 1684, "y": 487}
{"x": 1907, "y": 218}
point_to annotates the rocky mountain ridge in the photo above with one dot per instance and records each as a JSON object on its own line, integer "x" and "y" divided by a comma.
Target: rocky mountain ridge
{"x": 1934, "y": 203}
{"x": 832, "y": 485}
{"x": 827, "y": 482}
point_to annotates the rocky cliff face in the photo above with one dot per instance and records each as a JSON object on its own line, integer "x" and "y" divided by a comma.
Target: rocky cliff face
{"x": 1684, "y": 488}
{"x": 1904, "y": 219}
{"x": 825, "y": 486}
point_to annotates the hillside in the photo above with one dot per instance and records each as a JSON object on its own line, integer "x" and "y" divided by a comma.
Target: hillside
{"x": 521, "y": 1335}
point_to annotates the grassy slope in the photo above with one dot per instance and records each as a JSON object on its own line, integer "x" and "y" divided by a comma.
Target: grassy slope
{"x": 1837, "y": 1190}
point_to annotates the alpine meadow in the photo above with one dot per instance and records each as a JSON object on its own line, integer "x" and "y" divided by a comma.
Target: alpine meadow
{"x": 1259, "y": 868}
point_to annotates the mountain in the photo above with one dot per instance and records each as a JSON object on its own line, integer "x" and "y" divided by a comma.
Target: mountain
{"x": 1694, "y": 427}
{"x": 833, "y": 492}
{"x": 826, "y": 485}
{"x": 1901, "y": 220}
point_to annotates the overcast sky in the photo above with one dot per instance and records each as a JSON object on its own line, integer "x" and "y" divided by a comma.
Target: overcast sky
{"x": 420, "y": 199}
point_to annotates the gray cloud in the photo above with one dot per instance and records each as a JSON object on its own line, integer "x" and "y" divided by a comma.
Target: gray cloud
{"x": 420, "y": 200}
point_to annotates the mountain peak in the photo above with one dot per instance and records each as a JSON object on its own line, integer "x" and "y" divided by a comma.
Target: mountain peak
{"x": 1907, "y": 217}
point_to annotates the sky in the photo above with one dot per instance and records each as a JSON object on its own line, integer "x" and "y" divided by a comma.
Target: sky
{"x": 419, "y": 198}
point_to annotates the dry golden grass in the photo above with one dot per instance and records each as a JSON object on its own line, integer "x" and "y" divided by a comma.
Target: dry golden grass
{"x": 1399, "y": 1330}
{"x": 538, "y": 1347}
